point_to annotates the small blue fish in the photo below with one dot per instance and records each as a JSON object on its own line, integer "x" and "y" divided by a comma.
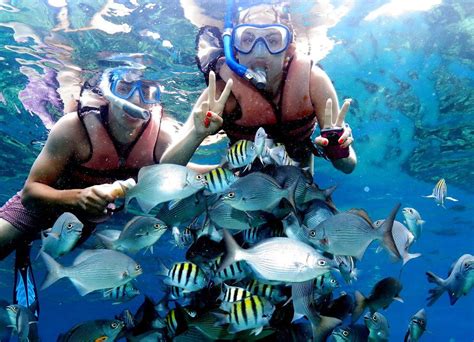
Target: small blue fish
{"x": 62, "y": 237}
{"x": 416, "y": 327}
{"x": 378, "y": 327}
{"x": 413, "y": 221}
{"x": 440, "y": 193}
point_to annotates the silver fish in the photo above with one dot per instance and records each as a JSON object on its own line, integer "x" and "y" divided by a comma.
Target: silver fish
{"x": 97, "y": 330}
{"x": 278, "y": 259}
{"x": 302, "y": 295}
{"x": 378, "y": 327}
{"x": 93, "y": 270}
{"x": 440, "y": 193}
{"x": 403, "y": 240}
{"x": 350, "y": 233}
{"x": 257, "y": 191}
{"x": 413, "y": 221}
{"x": 259, "y": 143}
{"x": 63, "y": 236}
{"x": 141, "y": 232}
{"x": 416, "y": 327}
{"x": 225, "y": 216}
{"x": 162, "y": 183}
{"x": 459, "y": 282}
{"x": 317, "y": 212}
{"x": 352, "y": 333}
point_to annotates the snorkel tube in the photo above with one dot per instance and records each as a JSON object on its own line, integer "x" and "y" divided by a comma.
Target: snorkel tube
{"x": 130, "y": 108}
{"x": 258, "y": 78}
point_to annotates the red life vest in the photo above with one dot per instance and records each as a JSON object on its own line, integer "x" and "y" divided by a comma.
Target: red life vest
{"x": 291, "y": 122}
{"x": 106, "y": 164}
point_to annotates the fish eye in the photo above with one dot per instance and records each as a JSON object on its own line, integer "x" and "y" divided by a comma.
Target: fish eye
{"x": 333, "y": 281}
{"x": 138, "y": 267}
{"x": 410, "y": 210}
{"x": 114, "y": 325}
{"x": 252, "y": 147}
{"x": 199, "y": 177}
{"x": 321, "y": 262}
{"x": 231, "y": 195}
{"x": 69, "y": 226}
{"x": 312, "y": 233}
{"x": 466, "y": 265}
{"x": 374, "y": 318}
{"x": 345, "y": 333}
{"x": 157, "y": 226}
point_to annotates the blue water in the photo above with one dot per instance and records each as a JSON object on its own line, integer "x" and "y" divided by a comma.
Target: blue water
{"x": 411, "y": 78}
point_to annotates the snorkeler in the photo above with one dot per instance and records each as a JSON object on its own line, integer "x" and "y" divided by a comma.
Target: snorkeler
{"x": 118, "y": 128}
{"x": 275, "y": 87}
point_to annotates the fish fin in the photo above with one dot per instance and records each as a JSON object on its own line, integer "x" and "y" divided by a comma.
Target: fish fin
{"x": 379, "y": 249}
{"x": 408, "y": 256}
{"x": 55, "y": 270}
{"x": 296, "y": 316}
{"x": 407, "y": 336}
{"x": 362, "y": 213}
{"x": 359, "y": 308}
{"x": 291, "y": 195}
{"x": 162, "y": 269}
{"x": 452, "y": 199}
{"x": 398, "y": 299}
{"x": 328, "y": 192}
{"x": 108, "y": 237}
{"x": 80, "y": 287}
{"x": 386, "y": 231}
{"x": 288, "y": 301}
{"x": 452, "y": 299}
{"x": 429, "y": 196}
{"x": 233, "y": 251}
{"x": 256, "y": 331}
{"x": 436, "y": 292}
{"x": 324, "y": 327}
{"x": 55, "y": 236}
{"x": 221, "y": 318}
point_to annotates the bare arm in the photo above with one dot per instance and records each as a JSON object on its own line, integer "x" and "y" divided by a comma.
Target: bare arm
{"x": 60, "y": 150}
{"x": 205, "y": 119}
{"x": 324, "y": 99}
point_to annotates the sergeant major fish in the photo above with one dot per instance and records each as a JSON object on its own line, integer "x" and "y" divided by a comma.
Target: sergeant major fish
{"x": 219, "y": 180}
{"x": 440, "y": 193}
{"x": 185, "y": 275}
{"x": 122, "y": 293}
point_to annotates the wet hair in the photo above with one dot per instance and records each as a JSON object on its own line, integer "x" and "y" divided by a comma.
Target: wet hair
{"x": 280, "y": 14}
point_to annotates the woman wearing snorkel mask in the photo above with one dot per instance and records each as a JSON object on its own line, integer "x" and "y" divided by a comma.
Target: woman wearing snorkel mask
{"x": 279, "y": 89}
{"x": 118, "y": 128}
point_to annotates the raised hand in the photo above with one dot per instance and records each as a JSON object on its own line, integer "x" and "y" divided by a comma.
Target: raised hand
{"x": 208, "y": 114}
{"x": 346, "y": 138}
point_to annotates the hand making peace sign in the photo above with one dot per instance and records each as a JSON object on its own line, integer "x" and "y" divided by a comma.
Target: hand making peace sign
{"x": 346, "y": 138}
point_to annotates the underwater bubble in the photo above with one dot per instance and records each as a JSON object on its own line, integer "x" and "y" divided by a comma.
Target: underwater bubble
{"x": 366, "y": 189}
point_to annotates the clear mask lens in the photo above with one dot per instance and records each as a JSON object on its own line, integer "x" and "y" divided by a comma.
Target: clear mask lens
{"x": 149, "y": 91}
{"x": 276, "y": 37}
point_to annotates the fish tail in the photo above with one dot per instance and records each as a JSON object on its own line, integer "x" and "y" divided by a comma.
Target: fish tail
{"x": 435, "y": 293}
{"x": 221, "y": 318}
{"x": 325, "y": 326}
{"x": 407, "y": 257}
{"x": 407, "y": 336}
{"x": 107, "y": 241}
{"x": 55, "y": 271}
{"x": 360, "y": 304}
{"x": 233, "y": 251}
{"x": 291, "y": 195}
{"x": 329, "y": 191}
{"x": 386, "y": 230}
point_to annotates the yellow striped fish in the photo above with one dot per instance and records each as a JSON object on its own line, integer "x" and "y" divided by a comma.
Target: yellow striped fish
{"x": 250, "y": 313}
{"x": 176, "y": 322}
{"x": 219, "y": 180}
{"x": 271, "y": 292}
{"x": 185, "y": 275}
{"x": 236, "y": 271}
{"x": 440, "y": 193}
{"x": 232, "y": 294}
{"x": 241, "y": 154}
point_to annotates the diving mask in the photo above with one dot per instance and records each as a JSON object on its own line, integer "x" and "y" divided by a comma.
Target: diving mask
{"x": 125, "y": 87}
{"x": 276, "y": 37}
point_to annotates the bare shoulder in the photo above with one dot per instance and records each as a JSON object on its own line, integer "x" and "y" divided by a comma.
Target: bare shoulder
{"x": 318, "y": 74}
{"x": 68, "y": 135}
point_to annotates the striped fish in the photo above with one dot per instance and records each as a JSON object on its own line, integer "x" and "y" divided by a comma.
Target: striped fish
{"x": 236, "y": 271}
{"x": 281, "y": 158}
{"x": 232, "y": 294}
{"x": 325, "y": 284}
{"x": 270, "y": 292}
{"x": 250, "y": 313}
{"x": 182, "y": 239}
{"x": 241, "y": 154}
{"x": 176, "y": 322}
{"x": 176, "y": 292}
{"x": 440, "y": 193}
{"x": 219, "y": 180}
{"x": 186, "y": 275}
{"x": 122, "y": 294}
